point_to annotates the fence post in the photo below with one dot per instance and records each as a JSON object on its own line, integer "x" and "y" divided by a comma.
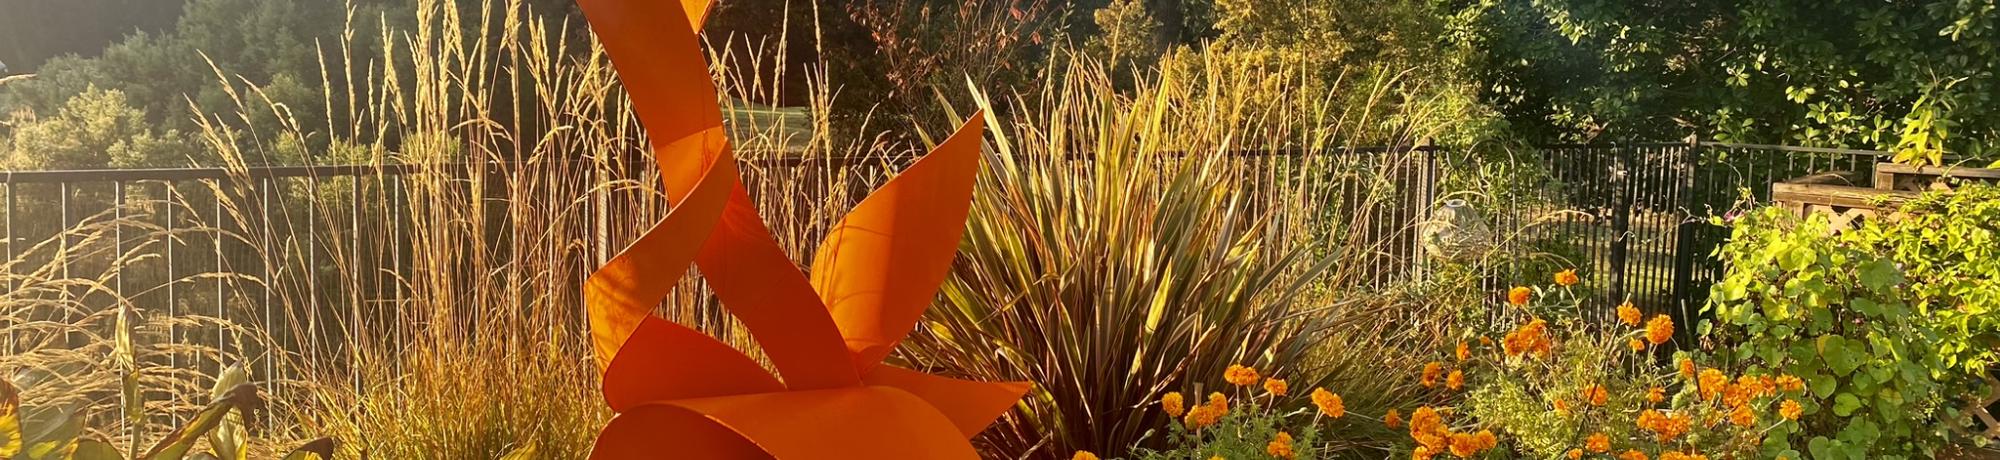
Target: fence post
{"x": 1621, "y": 219}
{"x": 1689, "y": 245}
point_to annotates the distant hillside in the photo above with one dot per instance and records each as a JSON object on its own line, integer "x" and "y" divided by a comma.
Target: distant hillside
{"x": 27, "y": 40}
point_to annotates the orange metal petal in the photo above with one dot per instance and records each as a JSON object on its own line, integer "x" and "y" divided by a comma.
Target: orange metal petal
{"x": 871, "y": 423}
{"x": 630, "y": 285}
{"x": 880, "y": 268}
{"x": 970, "y": 405}
{"x": 657, "y": 431}
{"x": 665, "y": 361}
{"x": 663, "y": 71}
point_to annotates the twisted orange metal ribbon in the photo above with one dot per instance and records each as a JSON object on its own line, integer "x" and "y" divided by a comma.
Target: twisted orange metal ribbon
{"x": 681, "y": 394}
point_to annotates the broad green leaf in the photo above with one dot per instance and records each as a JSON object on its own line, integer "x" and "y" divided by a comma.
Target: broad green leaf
{"x": 10, "y": 420}
{"x": 1845, "y": 404}
{"x": 230, "y": 440}
{"x": 1822, "y": 384}
{"x": 317, "y": 449}
{"x": 1880, "y": 274}
{"x": 57, "y": 439}
{"x": 175, "y": 445}
{"x": 91, "y": 449}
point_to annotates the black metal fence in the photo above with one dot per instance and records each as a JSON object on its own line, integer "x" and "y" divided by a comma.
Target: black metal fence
{"x": 1633, "y": 218}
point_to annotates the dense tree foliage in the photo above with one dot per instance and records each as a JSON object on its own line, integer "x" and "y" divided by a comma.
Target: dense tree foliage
{"x": 1918, "y": 77}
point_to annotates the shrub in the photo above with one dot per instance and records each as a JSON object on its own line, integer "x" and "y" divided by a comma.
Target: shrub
{"x": 1890, "y": 324}
{"x": 1264, "y": 419}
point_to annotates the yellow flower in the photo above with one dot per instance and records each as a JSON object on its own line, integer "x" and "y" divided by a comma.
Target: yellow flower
{"x": 1240, "y": 376}
{"x": 1455, "y": 380}
{"x": 1567, "y": 277}
{"x": 1597, "y": 442}
{"x": 1464, "y": 351}
{"x": 1790, "y": 410}
{"x": 1281, "y": 446}
{"x": 1329, "y": 403}
{"x": 1656, "y": 394}
{"x": 1172, "y": 404}
{"x": 1596, "y": 395}
{"x": 1393, "y": 419}
{"x": 1083, "y": 455}
{"x": 1660, "y": 329}
{"x": 1431, "y": 373}
{"x": 1519, "y": 295}
{"x": 1629, "y": 314}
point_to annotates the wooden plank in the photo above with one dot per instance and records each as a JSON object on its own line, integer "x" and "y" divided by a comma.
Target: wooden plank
{"x": 1840, "y": 195}
{"x": 1960, "y": 172}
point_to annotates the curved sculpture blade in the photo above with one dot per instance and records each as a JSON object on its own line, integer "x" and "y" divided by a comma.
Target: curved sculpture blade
{"x": 880, "y": 268}
{"x": 639, "y": 433}
{"x": 754, "y": 278}
{"x": 628, "y": 287}
{"x": 666, "y": 361}
{"x": 970, "y": 405}
{"x": 870, "y": 422}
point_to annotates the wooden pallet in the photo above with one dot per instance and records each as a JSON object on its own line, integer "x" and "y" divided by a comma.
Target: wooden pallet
{"x": 1846, "y": 207}
{"x": 1893, "y": 176}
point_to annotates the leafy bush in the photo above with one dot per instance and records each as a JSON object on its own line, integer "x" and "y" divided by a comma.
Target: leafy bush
{"x": 1259, "y": 426}
{"x": 1890, "y": 324}
{"x": 1552, "y": 383}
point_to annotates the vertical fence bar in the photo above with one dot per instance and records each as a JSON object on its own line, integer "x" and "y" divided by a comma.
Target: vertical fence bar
{"x": 12, "y": 191}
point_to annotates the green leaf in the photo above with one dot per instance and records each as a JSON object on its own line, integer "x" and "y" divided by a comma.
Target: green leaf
{"x": 91, "y": 449}
{"x": 230, "y": 440}
{"x": 1880, "y": 274}
{"x": 1796, "y": 258}
{"x": 1845, "y": 404}
{"x": 1841, "y": 355}
{"x": 10, "y": 420}
{"x": 175, "y": 445}
{"x": 318, "y": 449}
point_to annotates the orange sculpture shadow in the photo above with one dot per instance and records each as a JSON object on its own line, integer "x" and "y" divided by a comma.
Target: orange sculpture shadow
{"x": 681, "y": 394}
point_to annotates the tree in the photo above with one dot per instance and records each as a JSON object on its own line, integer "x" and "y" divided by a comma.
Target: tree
{"x": 1911, "y": 75}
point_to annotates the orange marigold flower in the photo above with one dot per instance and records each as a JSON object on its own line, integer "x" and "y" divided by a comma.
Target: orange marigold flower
{"x": 1276, "y": 386}
{"x": 1240, "y": 376}
{"x": 1329, "y": 403}
{"x": 1422, "y": 453}
{"x": 1485, "y": 341}
{"x": 1711, "y": 383}
{"x": 1629, "y": 314}
{"x": 1667, "y": 427}
{"x": 1742, "y": 416}
{"x": 1687, "y": 368}
{"x": 1203, "y": 416}
{"x": 1632, "y": 454}
{"x": 1656, "y": 394}
{"x": 1574, "y": 454}
{"x": 1660, "y": 329}
{"x": 1464, "y": 351}
{"x": 1393, "y": 419}
{"x": 1281, "y": 446}
{"x": 1790, "y": 410}
{"x": 1519, "y": 295}
{"x": 1567, "y": 277}
{"x": 1530, "y": 338}
{"x": 1595, "y": 395}
{"x": 1219, "y": 402}
{"x": 1172, "y": 404}
{"x": 1083, "y": 455}
{"x": 1562, "y": 407}
{"x": 1455, "y": 380}
{"x": 1790, "y": 383}
{"x": 1427, "y": 428}
{"x": 1464, "y": 445}
{"x": 1636, "y": 344}
{"x": 1432, "y": 370}
{"x": 1597, "y": 442}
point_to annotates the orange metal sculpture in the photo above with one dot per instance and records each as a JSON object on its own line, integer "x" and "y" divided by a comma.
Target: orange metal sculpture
{"x": 681, "y": 394}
